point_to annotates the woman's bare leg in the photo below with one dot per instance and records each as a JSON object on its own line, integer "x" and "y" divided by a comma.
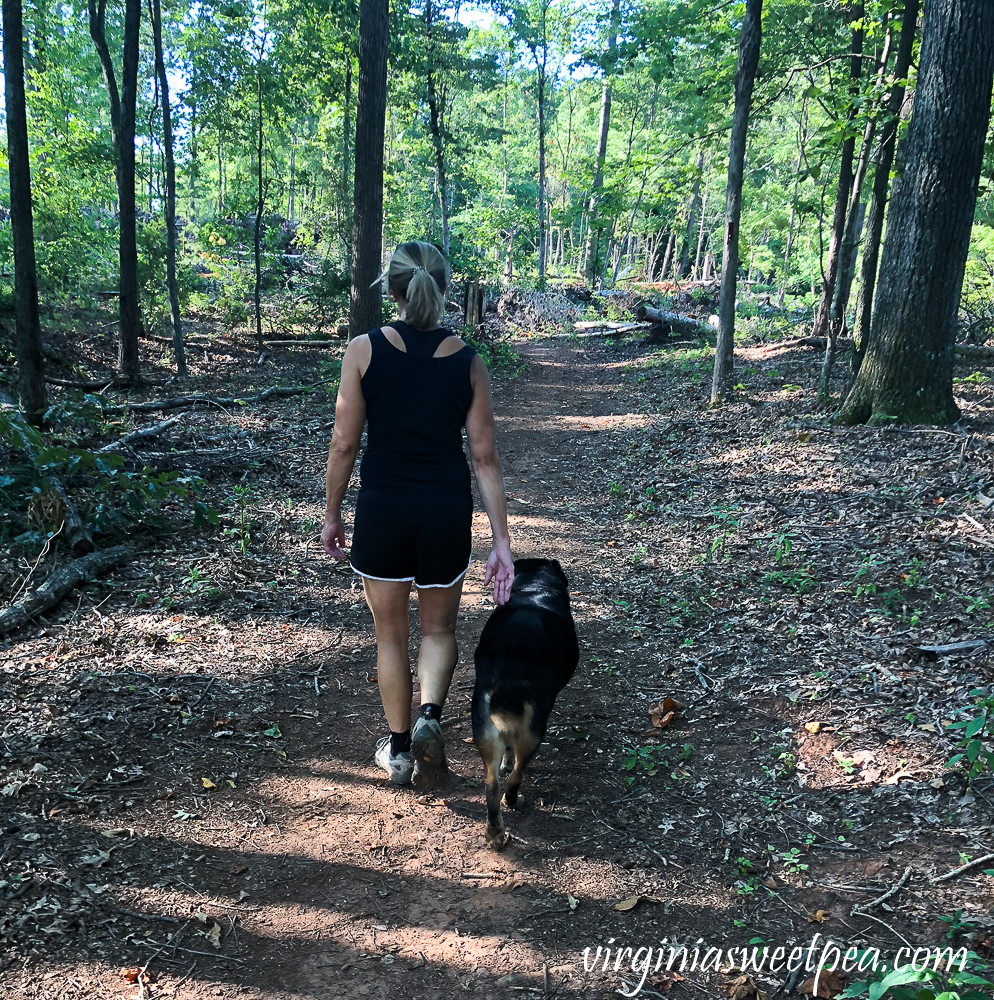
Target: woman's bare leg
{"x": 438, "y": 608}
{"x": 389, "y": 601}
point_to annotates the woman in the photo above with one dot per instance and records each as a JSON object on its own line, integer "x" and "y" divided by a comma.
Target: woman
{"x": 417, "y": 385}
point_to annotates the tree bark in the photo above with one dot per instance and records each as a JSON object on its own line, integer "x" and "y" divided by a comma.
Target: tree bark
{"x": 260, "y": 201}
{"x": 855, "y": 214}
{"x": 194, "y": 162}
{"x": 802, "y": 137}
{"x": 590, "y": 262}
{"x": 745, "y": 78}
{"x": 155, "y": 14}
{"x": 436, "y": 115}
{"x": 695, "y": 207}
{"x": 346, "y": 229}
{"x": 906, "y": 376}
{"x": 881, "y": 182}
{"x": 30, "y": 368}
{"x": 701, "y": 234}
{"x": 123, "y": 110}
{"x": 365, "y": 310}
{"x": 542, "y": 228}
{"x": 842, "y": 193}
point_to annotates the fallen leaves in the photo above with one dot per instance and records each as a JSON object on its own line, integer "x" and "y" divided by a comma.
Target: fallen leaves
{"x": 136, "y": 976}
{"x": 632, "y": 901}
{"x": 826, "y": 984}
{"x": 745, "y": 988}
{"x": 662, "y": 713}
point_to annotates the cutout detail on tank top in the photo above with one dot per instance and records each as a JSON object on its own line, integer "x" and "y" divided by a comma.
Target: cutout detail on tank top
{"x": 403, "y": 350}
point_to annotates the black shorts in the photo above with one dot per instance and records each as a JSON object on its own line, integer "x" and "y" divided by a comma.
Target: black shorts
{"x": 435, "y": 556}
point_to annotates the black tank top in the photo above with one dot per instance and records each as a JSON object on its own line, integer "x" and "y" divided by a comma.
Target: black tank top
{"x": 414, "y": 468}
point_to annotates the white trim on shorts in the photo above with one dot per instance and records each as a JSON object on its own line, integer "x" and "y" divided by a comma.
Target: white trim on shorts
{"x": 410, "y": 579}
{"x": 384, "y": 579}
{"x": 428, "y": 586}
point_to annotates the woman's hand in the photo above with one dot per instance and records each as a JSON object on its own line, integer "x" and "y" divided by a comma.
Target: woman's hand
{"x": 500, "y": 569}
{"x": 333, "y": 537}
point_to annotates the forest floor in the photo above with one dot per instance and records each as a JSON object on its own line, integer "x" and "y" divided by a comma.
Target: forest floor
{"x": 187, "y": 774}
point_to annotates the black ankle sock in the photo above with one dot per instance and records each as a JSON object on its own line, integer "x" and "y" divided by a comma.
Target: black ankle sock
{"x": 431, "y": 711}
{"x": 400, "y": 742}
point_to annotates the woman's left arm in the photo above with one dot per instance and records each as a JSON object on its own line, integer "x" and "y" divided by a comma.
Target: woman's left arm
{"x": 350, "y": 415}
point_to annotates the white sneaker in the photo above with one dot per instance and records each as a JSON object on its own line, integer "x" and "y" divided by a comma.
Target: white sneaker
{"x": 400, "y": 767}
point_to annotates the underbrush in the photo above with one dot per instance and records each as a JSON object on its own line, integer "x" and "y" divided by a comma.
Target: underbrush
{"x": 46, "y": 471}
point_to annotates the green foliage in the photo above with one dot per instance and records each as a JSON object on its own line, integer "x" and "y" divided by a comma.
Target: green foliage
{"x": 111, "y": 499}
{"x": 976, "y": 741}
{"x": 964, "y": 977}
{"x": 498, "y": 353}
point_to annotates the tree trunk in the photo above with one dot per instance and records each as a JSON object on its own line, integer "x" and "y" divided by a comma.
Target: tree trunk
{"x": 123, "y": 109}
{"x": 291, "y": 206}
{"x": 881, "y": 182}
{"x": 701, "y": 235}
{"x": 542, "y": 231}
{"x": 906, "y": 376}
{"x": 667, "y": 256}
{"x": 194, "y": 163}
{"x": 155, "y": 14}
{"x": 367, "y": 234}
{"x": 30, "y": 369}
{"x": 436, "y": 118}
{"x": 590, "y": 261}
{"x": 259, "y": 204}
{"x": 626, "y": 242}
{"x": 347, "y": 160}
{"x": 850, "y": 238}
{"x": 130, "y": 310}
{"x": 695, "y": 207}
{"x": 745, "y": 78}
{"x": 842, "y": 192}
{"x": 801, "y": 141}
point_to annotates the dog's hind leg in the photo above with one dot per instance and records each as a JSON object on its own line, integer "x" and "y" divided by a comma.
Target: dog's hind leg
{"x": 491, "y": 749}
{"x": 525, "y": 746}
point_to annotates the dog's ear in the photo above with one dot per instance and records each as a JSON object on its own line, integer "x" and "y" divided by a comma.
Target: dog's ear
{"x": 558, "y": 568}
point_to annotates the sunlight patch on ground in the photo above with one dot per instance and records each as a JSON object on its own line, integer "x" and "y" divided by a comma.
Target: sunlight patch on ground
{"x": 578, "y": 423}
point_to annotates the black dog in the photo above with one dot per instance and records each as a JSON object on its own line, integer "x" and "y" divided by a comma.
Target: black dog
{"x": 526, "y": 656}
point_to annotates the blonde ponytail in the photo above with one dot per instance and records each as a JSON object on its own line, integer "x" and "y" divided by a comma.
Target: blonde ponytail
{"x": 417, "y": 272}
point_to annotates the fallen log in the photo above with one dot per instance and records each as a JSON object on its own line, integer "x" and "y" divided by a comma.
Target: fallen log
{"x": 276, "y": 392}
{"x": 670, "y": 322}
{"x": 818, "y": 343}
{"x": 144, "y": 432}
{"x": 603, "y": 324}
{"x": 303, "y": 343}
{"x": 94, "y": 385}
{"x": 954, "y": 648}
{"x": 59, "y": 584}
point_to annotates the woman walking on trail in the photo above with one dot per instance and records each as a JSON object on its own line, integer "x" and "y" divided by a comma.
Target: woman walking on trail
{"x": 417, "y": 385}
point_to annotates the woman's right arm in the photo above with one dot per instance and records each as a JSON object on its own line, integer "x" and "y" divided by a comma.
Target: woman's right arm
{"x": 480, "y": 431}
{"x": 350, "y": 415}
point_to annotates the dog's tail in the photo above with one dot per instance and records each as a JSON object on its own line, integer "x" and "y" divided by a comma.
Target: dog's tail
{"x": 510, "y": 708}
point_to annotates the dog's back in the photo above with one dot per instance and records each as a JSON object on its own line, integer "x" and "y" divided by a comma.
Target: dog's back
{"x": 527, "y": 653}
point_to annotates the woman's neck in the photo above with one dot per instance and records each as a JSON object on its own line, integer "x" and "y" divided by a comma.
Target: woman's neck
{"x": 420, "y": 329}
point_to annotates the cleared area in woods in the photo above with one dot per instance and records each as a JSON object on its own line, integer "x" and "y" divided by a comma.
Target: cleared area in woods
{"x": 778, "y": 619}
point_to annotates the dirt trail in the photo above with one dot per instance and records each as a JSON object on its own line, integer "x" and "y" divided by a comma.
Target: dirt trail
{"x": 209, "y": 765}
